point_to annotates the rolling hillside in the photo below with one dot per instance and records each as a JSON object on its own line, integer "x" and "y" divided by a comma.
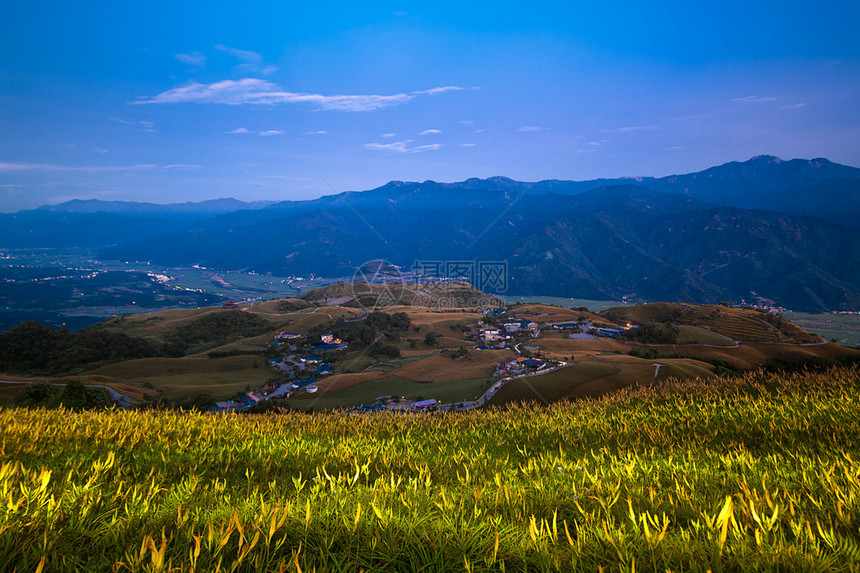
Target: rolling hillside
{"x": 218, "y": 353}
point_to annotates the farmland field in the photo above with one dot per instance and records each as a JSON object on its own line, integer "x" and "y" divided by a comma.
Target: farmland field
{"x": 366, "y": 392}
{"x": 843, "y": 328}
{"x": 596, "y": 378}
{"x": 752, "y": 473}
{"x": 566, "y": 302}
{"x": 187, "y": 377}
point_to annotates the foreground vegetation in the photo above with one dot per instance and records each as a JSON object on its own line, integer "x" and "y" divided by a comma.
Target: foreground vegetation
{"x": 756, "y": 472}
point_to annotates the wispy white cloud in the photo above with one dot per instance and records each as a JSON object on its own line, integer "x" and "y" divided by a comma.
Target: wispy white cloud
{"x": 753, "y": 99}
{"x": 320, "y": 132}
{"x": 430, "y": 131}
{"x": 285, "y": 177}
{"x": 257, "y": 91}
{"x": 468, "y": 144}
{"x": 243, "y": 131}
{"x": 143, "y": 124}
{"x": 467, "y": 122}
{"x": 402, "y": 146}
{"x": 389, "y": 134}
{"x": 196, "y": 59}
{"x": 182, "y": 166}
{"x": 251, "y": 61}
{"x": 98, "y": 149}
{"x": 795, "y": 106}
{"x": 530, "y": 128}
{"x": 244, "y": 55}
{"x": 438, "y": 90}
{"x": 629, "y": 129}
{"x": 8, "y": 167}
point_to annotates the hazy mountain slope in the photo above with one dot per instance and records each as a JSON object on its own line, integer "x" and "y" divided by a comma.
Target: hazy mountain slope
{"x": 809, "y": 187}
{"x": 604, "y": 244}
{"x": 621, "y": 239}
{"x": 95, "y": 223}
{"x": 706, "y": 256}
{"x": 816, "y": 187}
{"x": 27, "y": 229}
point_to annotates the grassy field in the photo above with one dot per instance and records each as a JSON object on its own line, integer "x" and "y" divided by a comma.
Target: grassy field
{"x": 186, "y": 377}
{"x": 367, "y": 392}
{"x": 566, "y": 302}
{"x": 8, "y": 392}
{"x": 843, "y": 328}
{"x": 596, "y": 378}
{"x": 440, "y": 367}
{"x": 741, "y": 324}
{"x": 544, "y": 313}
{"x": 696, "y": 335}
{"x": 753, "y": 473}
{"x": 753, "y": 355}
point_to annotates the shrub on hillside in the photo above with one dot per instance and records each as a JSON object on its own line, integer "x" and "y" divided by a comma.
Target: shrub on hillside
{"x": 31, "y": 348}
{"x": 654, "y": 333}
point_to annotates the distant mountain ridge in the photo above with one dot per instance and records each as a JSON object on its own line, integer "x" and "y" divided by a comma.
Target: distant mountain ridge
{"x": 781, "y": 232}
{"x": 211, "y": 206}
{"x": 816, "y": 187}
{"x": 607, "y": 243}
{"x": 97, "y": 223}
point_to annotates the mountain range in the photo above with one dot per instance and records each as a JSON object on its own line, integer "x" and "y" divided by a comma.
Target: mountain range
{"x": 764, "y": 230}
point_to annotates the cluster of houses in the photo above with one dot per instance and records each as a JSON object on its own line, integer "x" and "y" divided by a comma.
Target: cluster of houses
{"x": 492, "y": 311}
{"x": 394, "y": 404}
{"x": 329, "y": 342}
{"x": 520, "y": 365}
{"x": 287, "y": 364}
{"x": 586, "y": 331}
{"x": 253, "y": 398}
{"x": 493, "y": 338}
{"x": 312, "y": 362}
{"x": 289, "y": 339}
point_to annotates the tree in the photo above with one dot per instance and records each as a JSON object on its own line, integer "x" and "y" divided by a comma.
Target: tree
{"x": 37, "y": 394}
{"x": 76, "y": 396}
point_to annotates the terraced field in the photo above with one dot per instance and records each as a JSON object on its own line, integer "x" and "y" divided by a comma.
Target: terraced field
{"x": 597, "y": 378}
{"x": 542, "y": 314}
{"x": 741, "y": 324}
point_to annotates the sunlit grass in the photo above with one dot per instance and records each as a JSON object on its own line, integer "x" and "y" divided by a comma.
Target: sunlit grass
{"x": 759, "y": 472}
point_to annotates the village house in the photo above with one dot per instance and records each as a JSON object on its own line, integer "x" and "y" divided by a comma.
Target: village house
{"x": 288, "y": 336}
{"x": 490, "y": 334}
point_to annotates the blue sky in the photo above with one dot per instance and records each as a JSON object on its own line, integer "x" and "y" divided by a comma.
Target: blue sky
{"x": 169, "y": 102}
